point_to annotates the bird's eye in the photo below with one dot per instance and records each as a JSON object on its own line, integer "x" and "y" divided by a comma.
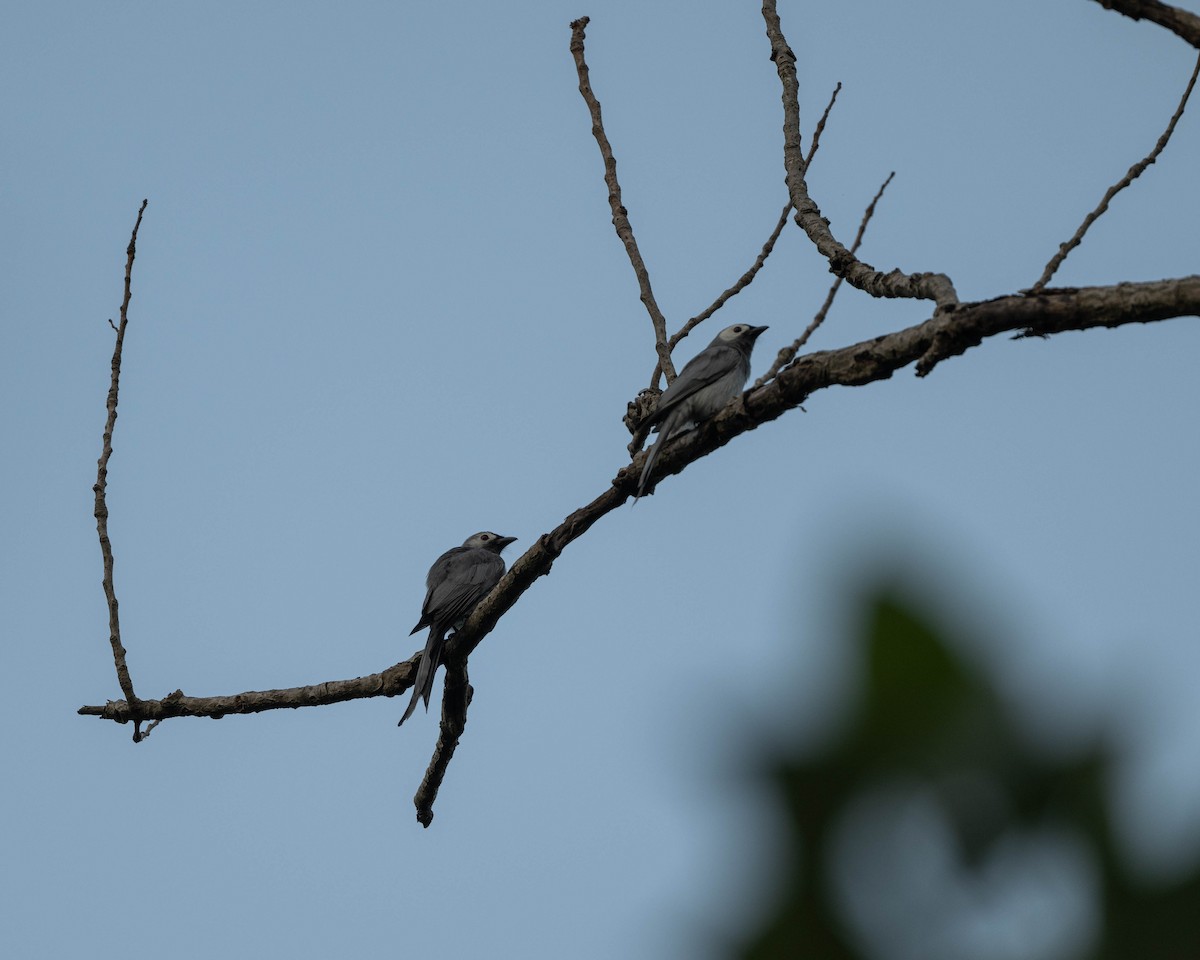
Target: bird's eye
{"x": 738, "y": 329}
{"x": 485, "y": 537}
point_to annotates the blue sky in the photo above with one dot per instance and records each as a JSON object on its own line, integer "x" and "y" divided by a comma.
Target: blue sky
{"x": 379, "y": 305}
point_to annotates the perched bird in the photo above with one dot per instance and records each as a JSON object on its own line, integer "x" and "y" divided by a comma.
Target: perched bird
{"x": 457, "y": 581}
{"x": 704, "y": 386}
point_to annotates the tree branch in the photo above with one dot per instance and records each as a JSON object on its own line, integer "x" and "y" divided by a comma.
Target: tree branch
{"x": 948, "y": 333}
{"x": 1180, "y": 22}
{"x": 921, "y": 286}
{"x": 101, "y": 486}
{"x": 1132, "y": 174}
{"x": 620, "y": 216}
{"x": 391, "y": 682}
{"x": 455, "y": 700}
{"x": 1057, "y": 310}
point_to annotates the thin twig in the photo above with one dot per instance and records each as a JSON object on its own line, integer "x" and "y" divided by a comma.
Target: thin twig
{"x": 816, "y": 140}
{"x": 743, "y": 282}
{"x": 748, "y": 277}
{"x": 1133, "y": 173}
{"x": 101, "y": 486}
{"x": 923, "y": 286}
{"x": 787, "y": 354}
{"x": 620, "y": 216}
{"x": 455, "y": 700}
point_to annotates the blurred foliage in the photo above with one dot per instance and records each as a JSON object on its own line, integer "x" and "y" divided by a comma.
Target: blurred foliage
{"x": 928, "y": 720}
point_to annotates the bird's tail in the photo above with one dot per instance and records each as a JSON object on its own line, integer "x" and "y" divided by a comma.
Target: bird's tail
{"x": 431, "y": 659}
{"x": 650, "y": 458}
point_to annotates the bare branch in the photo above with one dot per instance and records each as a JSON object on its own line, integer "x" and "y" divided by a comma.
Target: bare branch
{"x": 948, "y": 333}
{"x": 922, "y": 286}
{"x": 1133, "y": 173}
{"x": 1056, "y": 310}
{"x": 1180, "y": 22}
{"x": 391, "y": 682}
{"x": 620, "y": 216}
{"x": 101, "y": 485}
{"x": 786, "y": 355}
{"x": 455, "y": 700}
{"x": 816, "y": 140}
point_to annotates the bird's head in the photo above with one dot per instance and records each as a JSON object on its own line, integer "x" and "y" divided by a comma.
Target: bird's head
{"x": 486, "y": 540}
{"x": 740, "y": 334}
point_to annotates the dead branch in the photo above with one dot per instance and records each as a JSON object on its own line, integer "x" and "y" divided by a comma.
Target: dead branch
{"x": 391, "y": 682}
{"x": 922, "y": 286}
{"x": 101, "y": 485}
{"x": 620, "y": 216}
{"x": 947, "y": 334}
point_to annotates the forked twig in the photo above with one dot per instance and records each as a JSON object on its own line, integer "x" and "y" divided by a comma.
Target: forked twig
{"x": 101, "y": 485}
{"x": 1132, "y": 174}
{"x": 787, "y": 354}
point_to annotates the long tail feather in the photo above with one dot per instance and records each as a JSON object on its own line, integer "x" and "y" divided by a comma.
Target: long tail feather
{"x": 423, "y": 684}
{"x": 650, "y": 458}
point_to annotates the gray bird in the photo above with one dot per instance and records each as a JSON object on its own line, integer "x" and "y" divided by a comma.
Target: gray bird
{"x": 457, "y": 581}
{"x": 704, "y": 386}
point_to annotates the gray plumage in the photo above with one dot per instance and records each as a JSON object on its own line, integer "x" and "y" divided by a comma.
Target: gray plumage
{"x": 704, "y": 386}
{"x": 457, "y": 581}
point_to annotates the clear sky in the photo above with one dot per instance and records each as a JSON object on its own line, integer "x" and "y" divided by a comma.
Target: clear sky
{"x": 379, "y": 305}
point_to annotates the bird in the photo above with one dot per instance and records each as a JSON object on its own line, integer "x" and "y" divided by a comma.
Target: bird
{"x": 704, "y": 386}
{"x": 457, "y": 581}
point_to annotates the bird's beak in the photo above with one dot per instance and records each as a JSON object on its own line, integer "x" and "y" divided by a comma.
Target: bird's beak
{"x": 505, "y": 541}
{"x": 755, "y": 331}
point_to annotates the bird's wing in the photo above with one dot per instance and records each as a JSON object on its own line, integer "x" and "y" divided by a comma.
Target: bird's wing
{"x": 436, "y": 576}
{"x": 467, "y": 578}
{"x": 708, "y": 366}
